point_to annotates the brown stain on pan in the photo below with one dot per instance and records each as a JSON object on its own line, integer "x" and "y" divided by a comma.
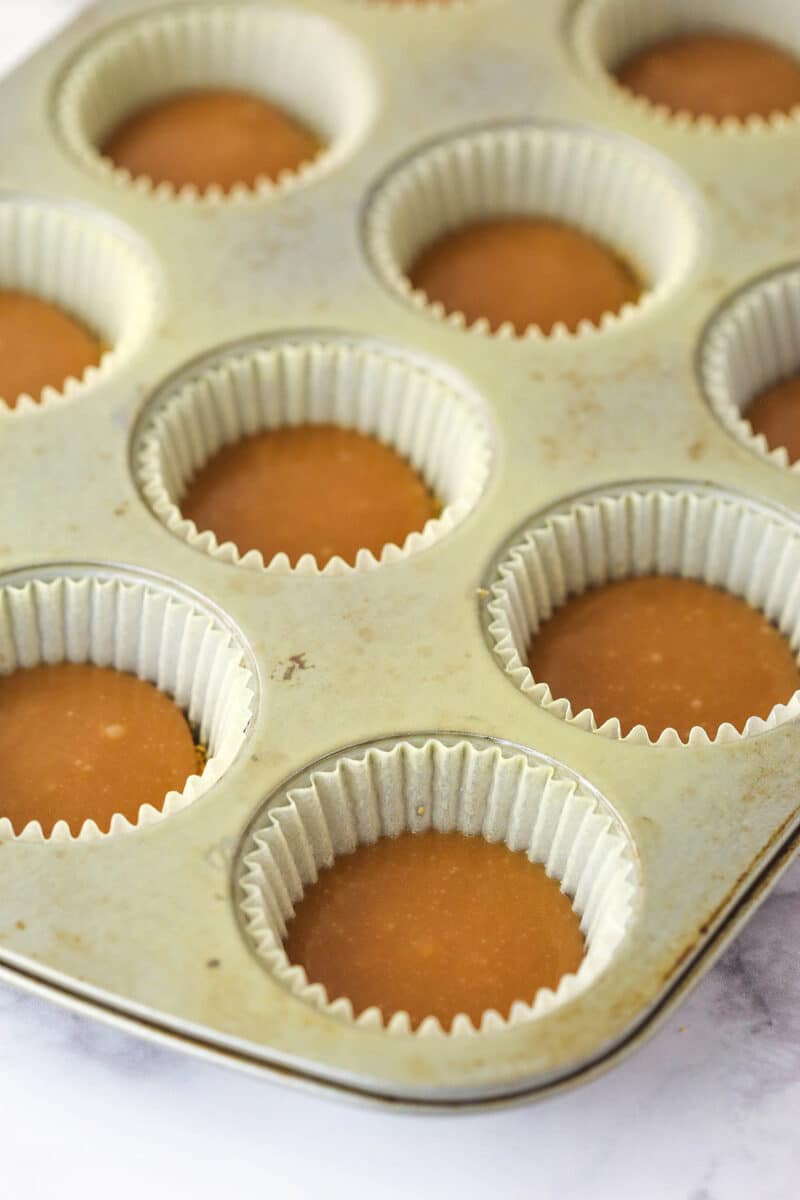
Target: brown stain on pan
{"x": 696, "y": 943}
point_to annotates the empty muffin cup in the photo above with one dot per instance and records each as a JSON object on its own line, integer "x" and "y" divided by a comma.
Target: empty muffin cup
{"x": 428, "y": 421}
{"x": 145, "y": 630}
{"x": 676, "y": 531}
{"x": 466, "y": 786}
{"x": 94, "y": 274}
{"x": 750, "y": 367}
{"x": 609, "y": 34}
{"x": 314, "y": 76}
{"x": 635, "y": 221}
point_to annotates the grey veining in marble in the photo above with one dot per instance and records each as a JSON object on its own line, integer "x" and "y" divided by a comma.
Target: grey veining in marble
{"x": 708, "y": 1110}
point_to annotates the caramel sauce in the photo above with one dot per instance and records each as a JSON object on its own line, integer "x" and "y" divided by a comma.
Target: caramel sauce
{"x": 40, "y": 346}
{"x": 525, "y": 270}
{"x": 211, "y": 137}
{"x": 309, "y": 489}
{"x": 82, "y": 742}
{"x": 664, "y": 652}
{"x": 776, "y": 414}
{"x": 716, "y": 75}
{"x": 435, "y": 924}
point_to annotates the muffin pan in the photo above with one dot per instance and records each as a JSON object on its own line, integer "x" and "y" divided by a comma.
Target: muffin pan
{"x": 627, "y": 435}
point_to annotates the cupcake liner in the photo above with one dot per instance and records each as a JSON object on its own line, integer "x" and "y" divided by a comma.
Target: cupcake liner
{"x": 442, "y": 431}
{"x": 144, "y": 630}
{"x": 501, "y": 795}
{"x": 299, "y": 61}
{"x": 624, "y": 195}
{"x": 607, "y": 32}
{"x": 722, "y": 540}
{"x": 88, "y": 266}
{"x": 752, "y": 344}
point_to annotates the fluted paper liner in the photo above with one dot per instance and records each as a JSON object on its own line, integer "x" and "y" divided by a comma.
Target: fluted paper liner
{"x": 753, "y": 344}
{"x": 502, "y": 796}
{"x": 88, "y": 266}
{"x": 609, "y": 188}
{"x": 298, "y": 60}
{"x": 441, "y": 430}
{"x": 145, "y": 631}
{"x": 716, "y": 539}
{"x": 607, "y": 32}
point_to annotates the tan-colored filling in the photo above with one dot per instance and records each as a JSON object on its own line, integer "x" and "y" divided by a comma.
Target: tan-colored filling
{"x": 211, "y": 137}
{"x": 40, "y": 346}
{"x": 664, "y": 652}
{"x": 776, "y": 414}
{"x": 525, "y": 270}
{"x": 716, "y": 75}
{"x": 80, "y": 742}
{"x": 435, "y": 924}
{"x": 309, "y": 489}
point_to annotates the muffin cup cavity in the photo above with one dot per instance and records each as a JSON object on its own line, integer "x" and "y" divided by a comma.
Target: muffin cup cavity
{"x": 752, "y": 344}
{"x": 90, "y": 268}
{"x": 442, "y": 430}
{"x": 607, "y": 32}
{"x": 300, "y": 61}
{"x": 723, "y": 540}
{"x": 477, "y": 789}
{"x": 145, "y": 630}
{"x": 606, "y": 187}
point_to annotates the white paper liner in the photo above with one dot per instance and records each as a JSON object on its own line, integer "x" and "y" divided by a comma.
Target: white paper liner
{"x": 753, "y": 344}
{"x": 85, "y": 264}
{"x": 717, "y": 539}
{"x": 443, "y": 432}
{"x": 607, "y": 32}
{"x": 607, "y": 187}
{"x": 532, "y": 807}
{"x": 145, "y": 631}
{"x": 298, "y": 60}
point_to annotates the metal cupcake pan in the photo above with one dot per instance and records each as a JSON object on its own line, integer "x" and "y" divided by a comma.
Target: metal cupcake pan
{"x": 149, "y": 925}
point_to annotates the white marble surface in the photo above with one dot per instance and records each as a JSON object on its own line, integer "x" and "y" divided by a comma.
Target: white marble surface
{"x": 708, "y": 1110}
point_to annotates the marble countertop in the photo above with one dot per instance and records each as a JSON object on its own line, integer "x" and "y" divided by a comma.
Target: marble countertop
{"x": 708, "y": 1110}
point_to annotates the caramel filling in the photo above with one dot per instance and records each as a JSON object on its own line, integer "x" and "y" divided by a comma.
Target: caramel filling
{"x": 211, "y": 137}
{"x": 776, "y": 414}
{"x": 309, "y": 489}
{"x": 525, "y": 270}
{"x": 716, "y": 75}
{"x": 40, "y": 346}
{"x": 435, "y": 924}
{"x": 80, "y": 742}
{"x": 664, "y": 652}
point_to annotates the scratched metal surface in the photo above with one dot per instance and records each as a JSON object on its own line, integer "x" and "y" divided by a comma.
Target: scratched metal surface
{"x": 144, "y": 925}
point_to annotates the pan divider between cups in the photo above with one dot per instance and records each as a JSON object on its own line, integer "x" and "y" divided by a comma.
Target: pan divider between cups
{"x": 704, "y": 534}
{"x": 144, "y": 629}
{"x": 438, "y": 425}
{"x": 465, "y": 784}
